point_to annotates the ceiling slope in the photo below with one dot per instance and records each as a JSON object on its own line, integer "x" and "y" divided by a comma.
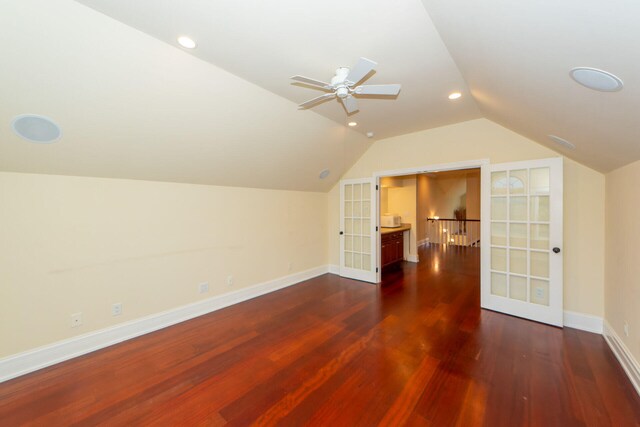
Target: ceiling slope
{"x": 516, "y": 58}
{"x": 267, "y": 42}
{"x": 133, "y": 107}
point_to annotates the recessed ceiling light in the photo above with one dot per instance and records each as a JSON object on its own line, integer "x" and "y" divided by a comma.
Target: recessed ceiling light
{"x": 352, "y": 124}
{"x": 325, "y": 173}
{"x": 595, "y": 79}
{"x": 370, "y": 134}
{"x": 562, "y": 142}
{"x": 187, "y": 42}
{"x": 36, "y": 128}
{"x": 455, "y": 95}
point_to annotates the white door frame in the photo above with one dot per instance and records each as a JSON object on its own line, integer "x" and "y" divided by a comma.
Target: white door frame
{"x": 466, "y": 164}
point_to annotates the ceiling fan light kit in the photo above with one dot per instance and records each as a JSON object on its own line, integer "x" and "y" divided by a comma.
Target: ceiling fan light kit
{"x": 343, "y": 86}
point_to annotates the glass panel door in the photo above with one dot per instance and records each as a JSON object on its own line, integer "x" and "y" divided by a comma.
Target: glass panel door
{"x": 523, "y": 202}
{"x": 357, "y": 231}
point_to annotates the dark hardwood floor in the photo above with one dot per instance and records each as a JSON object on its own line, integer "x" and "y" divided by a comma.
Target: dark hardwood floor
{"x": 334, "y": 352}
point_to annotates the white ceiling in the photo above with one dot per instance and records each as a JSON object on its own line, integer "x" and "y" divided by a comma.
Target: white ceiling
{"x": 267, "y": 42}
{"x": 132, "y": 104}
{"x": 516, "y": 57}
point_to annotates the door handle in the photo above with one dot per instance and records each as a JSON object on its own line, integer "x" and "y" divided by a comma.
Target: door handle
{"x": 556, "y": 250}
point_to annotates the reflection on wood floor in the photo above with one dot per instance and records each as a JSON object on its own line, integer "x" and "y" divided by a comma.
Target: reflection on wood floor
{"x": 335, "y": 352}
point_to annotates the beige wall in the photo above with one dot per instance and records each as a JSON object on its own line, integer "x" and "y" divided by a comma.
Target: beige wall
{"x": 477, "y": 139}
{"x": 622, "y": 284}
{"x": 426, "y": 195}
{"x": 402, "y": 201}
{"x": 473, "y": 195}
{"x": 70, "y": 244}
{"x": 451, "y": 194}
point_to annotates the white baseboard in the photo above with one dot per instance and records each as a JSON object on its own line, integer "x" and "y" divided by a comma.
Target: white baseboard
{"x": 629, "y": 363}
{"x": 423, "y": 242}
{"x": 412, "y": 258}
{"x": 334, "y": 269}
{"x": 584, "y": 322}
{"x": 32, "y": 360}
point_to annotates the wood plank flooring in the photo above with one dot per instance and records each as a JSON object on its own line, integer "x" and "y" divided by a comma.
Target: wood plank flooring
{"x": 416, "y": 351}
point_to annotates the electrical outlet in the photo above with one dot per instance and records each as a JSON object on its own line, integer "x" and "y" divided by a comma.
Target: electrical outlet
{"x": 539, "y": 293}
{"x": 116, "y": 309}
{"x": 229, "y": 280}
{"x": 203, "y": 288}
{"x": 76, "y": 320}
{"x": 626, "y": 329}
{"x": 290, "y": 266}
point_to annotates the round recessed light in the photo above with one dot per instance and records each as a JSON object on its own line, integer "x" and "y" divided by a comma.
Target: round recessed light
{"x": 455, "y": 95}
{"x": 562, "y": 142}
{"x": 325, "y": 173}
{"x": 370, "y": 134}
{"x": 187, "y": 42}
{"x": 36, "y": 128}
{"x": 352, "y": 124}
{"x": 595, "y": 79}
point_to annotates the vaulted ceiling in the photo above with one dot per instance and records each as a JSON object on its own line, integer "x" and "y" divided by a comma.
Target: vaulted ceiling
{"x": 134, "y": 104}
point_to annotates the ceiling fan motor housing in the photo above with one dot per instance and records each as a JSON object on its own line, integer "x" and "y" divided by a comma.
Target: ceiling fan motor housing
{"x": 342, "y": 91}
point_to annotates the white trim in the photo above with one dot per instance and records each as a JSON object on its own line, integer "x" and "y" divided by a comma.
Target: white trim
{"x": 629, "y": 363}
{"x": 412, "y": 258}
{"x": 32, "y": 360}
{"x": 584, "y": 322}
{"x": 466, "y": 164}
{"x": 422, "y": 242}
{"x": 334, "y": 269}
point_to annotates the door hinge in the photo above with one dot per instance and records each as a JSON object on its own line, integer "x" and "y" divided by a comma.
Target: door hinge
{"x": 376, "y": 269}
{"x": 376, "y": 228}
{"x": 376, "y": 186}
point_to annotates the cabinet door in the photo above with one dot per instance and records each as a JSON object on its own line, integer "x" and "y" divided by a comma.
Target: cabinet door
{"x": 399, "y": 248}
{"x": 386, "y": 254}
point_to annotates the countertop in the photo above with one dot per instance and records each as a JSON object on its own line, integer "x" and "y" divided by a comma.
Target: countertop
{"x": 387, "y": 230}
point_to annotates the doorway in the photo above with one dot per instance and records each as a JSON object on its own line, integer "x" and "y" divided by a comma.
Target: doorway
{"x": 521, "y": 213}
{"x": 432, "y": 205}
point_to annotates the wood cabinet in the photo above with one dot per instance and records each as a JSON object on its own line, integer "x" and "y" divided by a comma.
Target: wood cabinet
{"x": 392, "y": 248}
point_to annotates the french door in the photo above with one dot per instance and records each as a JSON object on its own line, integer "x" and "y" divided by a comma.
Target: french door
{"x": 358, "y": 229}
{"x": 522, "y": 239}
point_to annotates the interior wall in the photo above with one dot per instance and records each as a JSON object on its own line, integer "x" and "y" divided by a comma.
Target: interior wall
{"x": 426, "y": 195}
{"x": 72, "y": 244}
{"x": 479, "y": 139}
{"x": 451, "y": 194}
{"x": 622, "y": 287}
{"x": 402, "y": 201}
{"x": 473, "y": 195}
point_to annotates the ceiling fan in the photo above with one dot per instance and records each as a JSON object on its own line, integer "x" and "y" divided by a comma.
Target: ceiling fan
{"x": 343, "y": 86}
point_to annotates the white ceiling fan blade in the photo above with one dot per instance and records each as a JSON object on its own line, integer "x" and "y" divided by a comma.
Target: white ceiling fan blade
{"x": 316, "y": 100}
{"x": 350, "y": 104}
{"x": 362, "y": 68}
{"x": 311, "y": 81}
{"x": 393, "y": 89}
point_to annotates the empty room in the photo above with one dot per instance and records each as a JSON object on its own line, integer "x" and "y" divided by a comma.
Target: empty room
{"x": 336, "y": 213}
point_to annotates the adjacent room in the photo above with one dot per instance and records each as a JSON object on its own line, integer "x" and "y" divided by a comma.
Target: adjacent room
{"x": 340, "y": 213}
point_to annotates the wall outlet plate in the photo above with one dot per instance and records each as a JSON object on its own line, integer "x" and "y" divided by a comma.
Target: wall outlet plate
{"x": 203, "y": 287}
{"x": 116, "y": 309}
{"x": 76, "y": 320}
{"x": 229, "y": 280}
